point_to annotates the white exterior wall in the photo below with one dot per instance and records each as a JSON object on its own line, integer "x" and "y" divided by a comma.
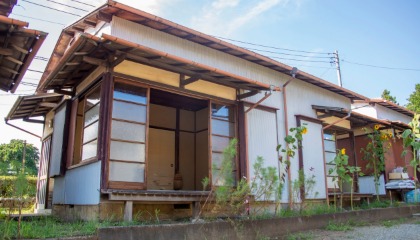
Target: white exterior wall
{"x": 389, "y": 114}
{"x": 300, "y": 95}
{"x": 365, "y": 109}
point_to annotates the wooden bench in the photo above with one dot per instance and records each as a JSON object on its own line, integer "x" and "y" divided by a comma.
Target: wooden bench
{"x": 156, "y": 196}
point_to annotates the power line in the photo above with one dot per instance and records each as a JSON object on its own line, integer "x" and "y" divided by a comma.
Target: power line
{"x": 383, "y": 67}
{"x": 41, "y": 58}
{"x": 288, "y": 54}
{"x": 298, "y": 60}
{"x": 87, "y": 4}
{"x": 39, "y": 19}
{"x": 80, "y": 9}
{"x": 55, "y": 9}
{"x": 260, "y": 45}
{"x": 31, "y": 70}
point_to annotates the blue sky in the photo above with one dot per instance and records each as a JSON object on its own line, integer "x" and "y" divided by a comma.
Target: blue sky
{"x": 382, "y": 33}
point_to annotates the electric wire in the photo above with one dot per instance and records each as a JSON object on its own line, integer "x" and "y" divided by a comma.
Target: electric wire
{"x": 288, "y": 54}
{"x": 383, "y": 67}
{"x": 32, "y": 70}
{"x": 298, "y": 60}
{"x": 41, "y": 58}
{"x": 55, "y": 9}
{"x": 69, "y": 6}
{"x": 87, "y": 4}
{"x": 39, "y": 19}
{"x": 278, "y": 48}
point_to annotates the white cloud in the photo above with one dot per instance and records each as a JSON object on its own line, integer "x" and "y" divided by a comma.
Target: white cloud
{"x": 220, "y": 4}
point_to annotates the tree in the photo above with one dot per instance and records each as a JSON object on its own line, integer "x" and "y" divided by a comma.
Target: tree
{"x": 386, "y": 94}
{"x": 11, "y": 158}
{"x": 414, "y": 100}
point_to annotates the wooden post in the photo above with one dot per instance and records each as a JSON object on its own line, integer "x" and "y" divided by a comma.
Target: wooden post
{"x": 128, "y": 211}
{"x": 196, "y": 209}
{"x": 23, "y": 157}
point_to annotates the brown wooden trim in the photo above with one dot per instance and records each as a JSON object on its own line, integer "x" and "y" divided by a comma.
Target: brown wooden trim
{"x": 84, "y": 143}
{"x": 177, "y": 122}
{"x": 83, "y": 163}
{"x": 210, "y": 146}
{"x": 94, "y": 105}
{"x": 222, "y": 136}
{"x": 199, "y": 131}
{"x": 309, "y": 119}
{"x": 214, "y": 151}
{"x": 242, "y": 140}
{"x": 126, "y": 141}
{"x": 176, "y": 90}
{"x": 105, "y": 126}
{"x": 260, "y": 106}
{"x": 72, "y": 132}
{"x": 325, "y": 165}
{"x": 147, "y": 138}
{"x": 128, "y": 121}
{"x": 131, "y": 102}
{"x": 126, "y": 161}
{"x": 127, "y": 185}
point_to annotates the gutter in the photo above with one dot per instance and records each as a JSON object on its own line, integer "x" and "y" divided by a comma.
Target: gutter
{"x": 21, "y": 129}
{"x": 7, "y": 20}
{"x": 286, "y": 128}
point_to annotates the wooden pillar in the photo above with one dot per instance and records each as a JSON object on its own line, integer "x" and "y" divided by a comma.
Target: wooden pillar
{"x": 128, "y": 211}
{"x": 196, "y": 206}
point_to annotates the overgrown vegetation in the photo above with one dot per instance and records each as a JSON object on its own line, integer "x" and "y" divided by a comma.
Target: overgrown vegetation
{"x": 374, "y": 154}
{"x": 7, "y": 186}
{"x": 346, "y": 226}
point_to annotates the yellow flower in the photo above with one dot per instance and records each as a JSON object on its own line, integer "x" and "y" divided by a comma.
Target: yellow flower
{"x": 343, "y": 151}
{"x": 376, "y": 127}
{"x": 390, "y": 135}
{"x": 304, "y": 130}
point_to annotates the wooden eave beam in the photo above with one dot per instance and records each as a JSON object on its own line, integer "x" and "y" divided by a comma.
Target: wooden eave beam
{"x": 247, "y": 94}
{"x": 22, "y": 50}
{"x": 64, "y": 92}
{"x": 190, "y": 80}
{"x": 13, "y": 60}
{"x": 48, "y": 104}
{"x": 6, "y": 51}
{"x": 90, "y": 23}
{"x": 95, "y": 61}
{"x": 104, "y": 16}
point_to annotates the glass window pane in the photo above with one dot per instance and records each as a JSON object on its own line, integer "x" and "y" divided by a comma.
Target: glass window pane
{"x": 329, "y": 157}
{"x": 222, "y": 111}
{"x": 90, "y": 132}
{"x": 216, "y": 160}
{"x": 333, "y": 173}
{"x": 130, "y": 93}
{"x": 127, "y": 151}
{"x": 93, "y": 98}
{"x": 89, "y": 150}
{"x": 329, "y": 136}
{"x": 219, "y": 143}
{"x": 128, "y": 131}
{"x": 329, "y": 146}
{"x": 126, "y": 172}
{"x": 222, "y": 128}
{"x": 129, "y": 111}
{"x": 92, "y": 115}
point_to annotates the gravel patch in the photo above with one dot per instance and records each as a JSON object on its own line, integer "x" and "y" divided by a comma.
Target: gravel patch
{"x": 408, "y": 230}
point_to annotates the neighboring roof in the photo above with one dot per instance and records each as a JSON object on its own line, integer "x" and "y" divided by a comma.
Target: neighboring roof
{"x": 112, "y": 8}
{"x": 19, "y": 46}
{"x": 27, "y": 107}
{"x": 392, "y": 106}
{"x": 6, "y": 7}
{"x": 357, "y": 119}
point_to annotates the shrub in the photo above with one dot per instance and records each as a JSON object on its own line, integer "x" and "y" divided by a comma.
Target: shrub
{"x": 7, "y": 184}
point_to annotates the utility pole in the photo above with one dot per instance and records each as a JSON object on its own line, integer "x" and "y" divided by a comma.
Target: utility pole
{"x": 23, "y": 156}
{"x": 337, "y": 64}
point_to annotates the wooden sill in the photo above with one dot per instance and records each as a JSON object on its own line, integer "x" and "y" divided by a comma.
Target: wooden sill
{"x": 83, "y": 163}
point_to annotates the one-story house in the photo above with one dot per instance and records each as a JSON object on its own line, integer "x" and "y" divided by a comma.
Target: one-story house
{"x": 140, "y": 102}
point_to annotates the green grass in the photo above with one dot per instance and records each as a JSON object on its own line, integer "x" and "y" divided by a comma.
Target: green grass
{"x": 390, "y": 223}
{"x": 376, "y": 204}
{"x": 339, "y": 226}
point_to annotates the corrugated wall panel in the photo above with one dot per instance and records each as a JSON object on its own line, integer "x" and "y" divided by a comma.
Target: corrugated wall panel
{"x": 262, "y": 141}
{"x": 59, "y": 189}
{"x": 82, "y": 184}
{"x": 180, "y": 47}
{"x": 58, "y": 141}
{"x": 386, "y": 113}
{"x": 313, "y": 159}
{"x": 367, "y": 185}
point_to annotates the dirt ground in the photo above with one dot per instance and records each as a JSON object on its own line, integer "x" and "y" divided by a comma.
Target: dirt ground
{"x": 407, "y": 229}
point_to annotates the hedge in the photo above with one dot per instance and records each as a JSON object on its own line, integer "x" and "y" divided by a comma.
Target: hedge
{"x": 7, "y": 186}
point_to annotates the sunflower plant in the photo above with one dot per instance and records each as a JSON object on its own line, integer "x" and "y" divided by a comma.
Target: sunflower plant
{"x": 374, "y": 153}
{"x": 410, "y": 139}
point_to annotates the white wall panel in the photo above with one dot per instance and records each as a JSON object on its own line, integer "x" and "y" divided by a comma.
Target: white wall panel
{"x": 389, "y": 114}
{"x": 59, "y": 190}
{"x": 313, "y": 159}
{"x": 82, "y": 184}
{"x": 262, "y": 140}
{"x": 365, "y": 109}
{"x": 367, "y": 185}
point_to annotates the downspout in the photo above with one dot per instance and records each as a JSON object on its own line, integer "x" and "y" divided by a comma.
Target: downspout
{"x": 286, "y": 128}
{"x": 21, "y": 129}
